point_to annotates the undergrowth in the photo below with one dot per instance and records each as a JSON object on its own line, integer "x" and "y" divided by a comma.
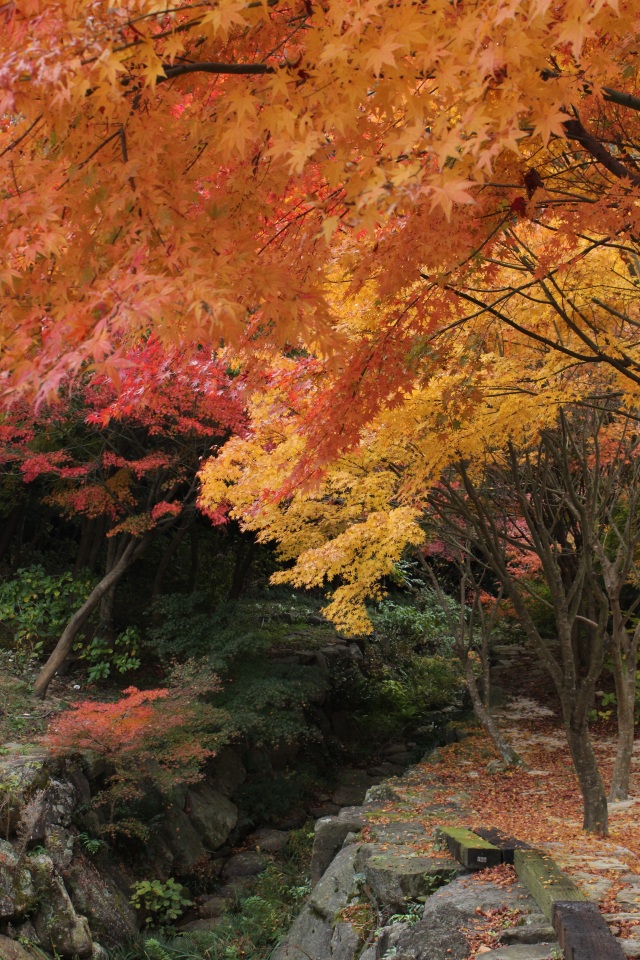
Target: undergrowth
{"x": 253, "y": 925}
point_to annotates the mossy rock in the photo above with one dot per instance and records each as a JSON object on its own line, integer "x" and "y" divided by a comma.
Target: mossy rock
{"x": 17, "y": 891}
{"x": 397, "y": 876}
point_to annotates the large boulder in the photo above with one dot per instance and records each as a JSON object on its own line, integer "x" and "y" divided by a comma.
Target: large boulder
{"x": 227, "y": 772}
{"x": 97, "y": 896}
{"x": 520, "y": 951}
{"x": 212, "y": 907}
{"x": 17, "y": 892}
{"x": 399, "y": 832}
{"x": 158, "y": 858}
{"x": 178, "y": 835}
{"x": 60, "y": 929}
{"x": 246, "y": 864}
{"x": 330, "y": 834}
{"x": 352, "y": 788}
{"x": 23, "y": 774}
{"x": 312, "y": 934}
{"x": 397, "y": 875}
{"x": 269, "y": 840}
{"x": 14, "y": 950}
{"x": 344, "y": 942}
{"x": 448, "y": 915}
{"x": 212, "y": 814}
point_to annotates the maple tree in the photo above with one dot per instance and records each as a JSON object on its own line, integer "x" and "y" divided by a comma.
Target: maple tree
{"x": 161, "y": 736}
{"x": 216, "y": 167}
{"x": 431, "y": 211}
{"x": 491, "y": 420}
{"x": 128, "y": 457}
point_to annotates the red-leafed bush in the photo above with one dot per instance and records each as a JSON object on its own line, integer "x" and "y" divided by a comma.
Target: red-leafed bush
{"x": 160, "y": 737}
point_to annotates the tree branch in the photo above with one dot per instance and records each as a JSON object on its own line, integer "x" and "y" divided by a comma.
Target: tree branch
{"x": 622, "y": 99}
{"x": 575, "y": 131}
{"x": 180, "y": 69}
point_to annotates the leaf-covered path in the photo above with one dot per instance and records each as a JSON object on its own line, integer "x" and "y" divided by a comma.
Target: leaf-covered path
{"x": 463, "y": 785}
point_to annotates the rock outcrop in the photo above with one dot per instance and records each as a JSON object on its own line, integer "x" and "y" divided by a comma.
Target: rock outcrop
{"x": 366, "y": 879}
{"x": 55, "y": 895}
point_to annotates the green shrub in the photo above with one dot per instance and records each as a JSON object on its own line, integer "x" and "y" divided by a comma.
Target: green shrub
{"x": 425, "y": 684}
{"x": 102, "y": 656}
{"x": 162, "y": 902}
{"x": 35, "y": 607}
{"x": 249, "y": 931}
{"x": 403, "y": 628}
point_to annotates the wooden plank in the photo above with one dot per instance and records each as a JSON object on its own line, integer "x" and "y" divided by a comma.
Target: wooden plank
{"x": 545, "y": 881}
{"x": 583, "y": 934}
{"x": 507, "y": 844}
{"x": 471, "y": 850}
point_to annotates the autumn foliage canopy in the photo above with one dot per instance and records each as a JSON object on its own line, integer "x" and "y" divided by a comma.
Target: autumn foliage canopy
{"x": 414, "y": 228}
{"x": 220, "y": 169}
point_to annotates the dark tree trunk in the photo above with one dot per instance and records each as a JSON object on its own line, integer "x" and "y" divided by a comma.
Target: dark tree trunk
{"x": 97, "y": 542}
{"x": 165, "y": 562}
{"x": 591, "y": 786}
{"x": 84, "y": 546}
{"x": 19, "y": 539}
{"x": 9, "y": 528}
{"x": 115, "y": 549}
{"x": 242, "y": 566}
{"x": 194, "y": 566}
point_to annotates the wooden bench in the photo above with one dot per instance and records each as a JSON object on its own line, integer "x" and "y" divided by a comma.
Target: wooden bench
{"x": 507, "y": 844}
{"x": 469, "y": 849}
{"x": 583, "y": 934}
{"x": 545, "y": 881}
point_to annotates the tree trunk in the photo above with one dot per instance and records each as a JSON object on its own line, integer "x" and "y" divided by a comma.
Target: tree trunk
{"x": 625, "y": 678}
{"x": 106, "y": 629}
{"x": 242, "y": 566}
{"x": 488, "y": 722}
{"x": 591, "y": 785}
{"x": 19, "y": 535}
{"x": 165, "y": 561}
{"x": 9, "y": 528}
{"x": 63, "y": 648}
{"x": 195, "y": 559}
{"x": 84, "y": 545}
{"x": 98, "y": 538}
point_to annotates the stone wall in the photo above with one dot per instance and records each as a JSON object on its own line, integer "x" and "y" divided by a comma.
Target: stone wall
{"x": 364, "y": 888}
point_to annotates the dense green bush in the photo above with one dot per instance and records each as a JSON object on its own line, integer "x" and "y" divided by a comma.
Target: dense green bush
{"x": 160, "y": 901}
{"x": 409, "y": 669}
{"x": 266, "y": 697}
{"x": 104, "y": 657}
{"x": 35, "y": 607}
{"x": 404, "y": 629}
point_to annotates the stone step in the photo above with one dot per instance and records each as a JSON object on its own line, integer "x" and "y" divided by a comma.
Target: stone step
{"x": 395, "y": 875}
